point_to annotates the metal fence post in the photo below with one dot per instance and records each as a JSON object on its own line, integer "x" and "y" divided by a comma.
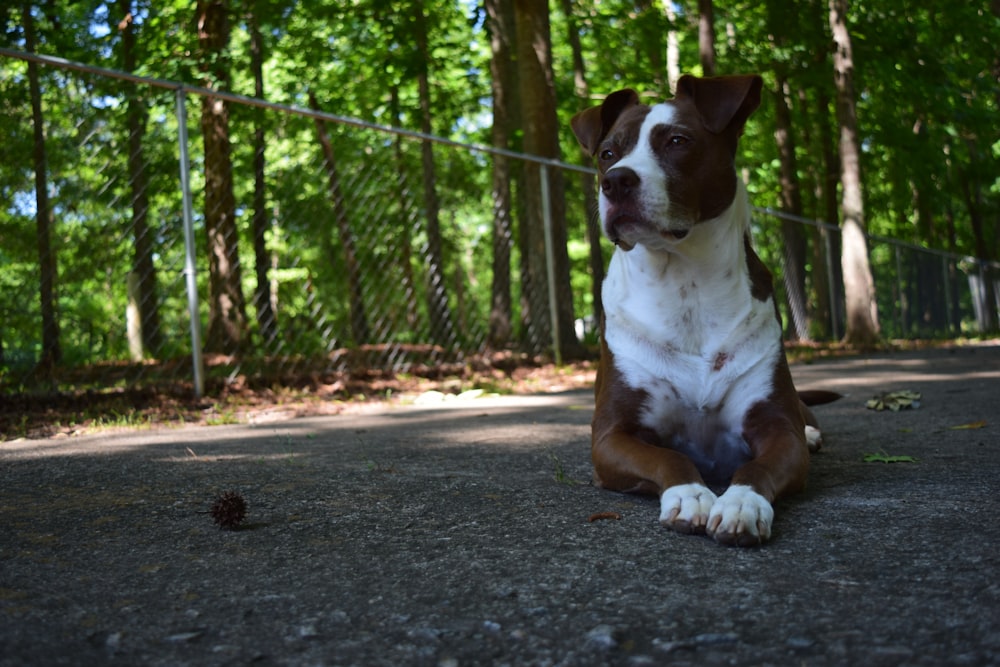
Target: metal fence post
{"x": 550, "y": 262}
{"x": 190, "y": 270}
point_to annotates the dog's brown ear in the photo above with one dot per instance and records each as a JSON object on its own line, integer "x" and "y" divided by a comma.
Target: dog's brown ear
{"x": 723, "y": 101}
{"x": 593, "y": 124}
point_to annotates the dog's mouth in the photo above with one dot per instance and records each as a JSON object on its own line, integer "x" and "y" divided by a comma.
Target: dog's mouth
{"x": 623, "y": 228}
{"x": 626, "y": 230}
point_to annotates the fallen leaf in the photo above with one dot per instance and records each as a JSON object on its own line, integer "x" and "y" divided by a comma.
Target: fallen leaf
{"x": 882, "y": 457}
{"x": 971, "y": 425}
{"x": 894, "y": 401}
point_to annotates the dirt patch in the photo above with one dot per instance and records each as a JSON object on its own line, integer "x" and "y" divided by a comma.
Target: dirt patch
{"x": 256, "y": 400}
{"x": 262, "y": 395}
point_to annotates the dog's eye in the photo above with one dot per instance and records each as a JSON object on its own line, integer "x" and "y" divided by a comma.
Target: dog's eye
{"x": 677, "y": 140}
{"x": 607, "y": 154}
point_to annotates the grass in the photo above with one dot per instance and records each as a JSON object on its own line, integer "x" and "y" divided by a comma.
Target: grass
{"x": 560, "y": 476}
{"x": 226, "y": 416}
{"x": 128, "y": 419}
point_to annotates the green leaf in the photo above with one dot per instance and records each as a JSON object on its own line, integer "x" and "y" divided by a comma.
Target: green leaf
{"x": 882, "y": 457}
{"x": 894, "y": 401}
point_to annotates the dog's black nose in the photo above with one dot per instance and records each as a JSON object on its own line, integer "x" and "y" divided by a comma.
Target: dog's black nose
{"x": 619, "y": 183}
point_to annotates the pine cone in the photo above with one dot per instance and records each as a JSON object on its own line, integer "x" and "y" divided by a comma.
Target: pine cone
{"x": 229, "y": 509}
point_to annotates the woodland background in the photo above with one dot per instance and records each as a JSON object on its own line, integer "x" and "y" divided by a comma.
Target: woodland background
{"x": 325, "y": 246}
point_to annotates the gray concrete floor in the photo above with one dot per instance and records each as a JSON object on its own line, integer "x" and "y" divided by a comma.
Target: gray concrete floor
{"x": 459, "y": 535}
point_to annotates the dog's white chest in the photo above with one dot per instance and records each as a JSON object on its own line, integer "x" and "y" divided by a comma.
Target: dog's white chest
{"x": 690, "y": 335}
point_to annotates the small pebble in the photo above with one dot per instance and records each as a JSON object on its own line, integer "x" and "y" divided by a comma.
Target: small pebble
{"x": 602, "y": 637}
{"x": 799, "y": 642}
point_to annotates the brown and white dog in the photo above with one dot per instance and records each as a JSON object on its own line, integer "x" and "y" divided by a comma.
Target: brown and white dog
{"x": 693, "y": 388}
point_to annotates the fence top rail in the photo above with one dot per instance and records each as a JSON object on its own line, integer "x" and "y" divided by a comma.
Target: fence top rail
{"x": 881, "y": 239}
{"x": 62, "y": 63}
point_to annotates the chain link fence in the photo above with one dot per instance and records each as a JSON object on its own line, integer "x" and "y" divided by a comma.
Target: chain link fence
{"x": 338, "y": 247}
{"x": 921, "y": 293}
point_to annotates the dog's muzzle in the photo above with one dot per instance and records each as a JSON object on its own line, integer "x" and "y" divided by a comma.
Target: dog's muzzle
{"x": 620, "y": 184}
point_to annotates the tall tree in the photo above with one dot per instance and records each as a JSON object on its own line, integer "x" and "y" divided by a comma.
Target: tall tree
{"x": 226, "y": 305}
{"x": 673, "y": 46}
{"x": 541, "y": 137}
{"x": 706, "y": 37}
{"x": 47, "y": 267}
{"x": 987, "y": 276}
{"x": 409, "y": 287}
{"x": 826, "y": 244}
{"x": 359, "y": 318}
{"x": 500, "y": 17}
{"x": 792, "y": 232}
{"x": 587, "y": 181}
{"x": 146, "y": 297}
{"x": 442, "y": 324}
{"x": 859, "y": 286}
{"x": 262, "y": 297}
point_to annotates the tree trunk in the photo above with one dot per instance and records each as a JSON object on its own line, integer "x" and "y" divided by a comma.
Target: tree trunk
{"x": 673, "y": 46}
{"x": 442, "y": 324}
{"x": 831, "y": 214}
{"x": 706, "y": 37}
{"x": 405, "y": 237}
{"x": 51, "y": 348}
{"x": 502, "y": 37}
{"x": 360, "y": 331}
{"x": 824, "y": 173}
{"x": 541, "y": 137}
{"x": 147, "y": 293}
{"x": 226, "y": 305}
{"x": 587, "y": 181}
{"x": 267, "y": 322}
{"x": 972, "y": 193}
{"x": 995, "y": 9}
{"x": 793, "y": 234}
{"x": 859, "y": 287}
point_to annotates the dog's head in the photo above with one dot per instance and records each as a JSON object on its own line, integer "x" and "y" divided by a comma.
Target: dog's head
{"x": 665, "y": 168}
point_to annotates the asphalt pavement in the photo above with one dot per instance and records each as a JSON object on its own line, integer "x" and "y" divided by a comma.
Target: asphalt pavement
{"x": 464, "y": 533}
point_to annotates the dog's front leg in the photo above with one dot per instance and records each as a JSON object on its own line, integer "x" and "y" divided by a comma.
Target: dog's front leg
{"x": 743, "y": 515}
{"x": 625, "y": 463}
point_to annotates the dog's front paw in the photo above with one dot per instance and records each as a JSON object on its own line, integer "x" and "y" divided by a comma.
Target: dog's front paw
{"x": 740, "y": 517}
{"x": 685, "y": 507}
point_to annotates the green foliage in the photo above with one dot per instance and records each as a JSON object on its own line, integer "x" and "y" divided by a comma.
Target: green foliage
{"x": 927, "y": 106}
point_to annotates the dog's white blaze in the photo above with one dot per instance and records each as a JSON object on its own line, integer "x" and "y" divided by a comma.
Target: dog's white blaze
{"x": 642, "y": 161}
{"x": 683, "y": 326}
